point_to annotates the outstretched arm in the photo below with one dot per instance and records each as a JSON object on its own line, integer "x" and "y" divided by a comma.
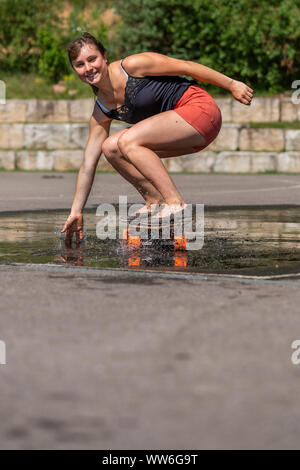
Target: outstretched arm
{"x": 239, "y": 90}
{"x": 151, "y": 63}
{"x": 98, "y": 133}
{"x": 85, "y": 178}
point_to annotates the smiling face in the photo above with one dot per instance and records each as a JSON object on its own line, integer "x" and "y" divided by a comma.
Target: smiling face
{"x": 90, "y": 65}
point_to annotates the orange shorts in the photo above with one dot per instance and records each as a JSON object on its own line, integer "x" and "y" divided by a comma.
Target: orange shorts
{"x": 199, "y": 109}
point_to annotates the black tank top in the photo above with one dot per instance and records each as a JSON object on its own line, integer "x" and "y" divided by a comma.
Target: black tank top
{"x": 146, "y": 96}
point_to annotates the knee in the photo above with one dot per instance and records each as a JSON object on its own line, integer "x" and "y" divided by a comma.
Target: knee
{"x": 125, "y": 143}
{"x": 110, "y": 148}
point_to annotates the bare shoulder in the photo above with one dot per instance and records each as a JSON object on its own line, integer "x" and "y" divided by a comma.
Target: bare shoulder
{"x": 135, "y": 64}
{"x": 138, "y": 65}
{"x": 148, "y": 63}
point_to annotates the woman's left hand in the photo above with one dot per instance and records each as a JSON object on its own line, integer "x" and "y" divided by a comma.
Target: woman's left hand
{"x": 241, "y": 92}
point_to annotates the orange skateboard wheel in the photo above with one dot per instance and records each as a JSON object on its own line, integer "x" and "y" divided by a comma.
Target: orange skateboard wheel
{"x": 180, "y": 243}
{"x": 134, "y": 261}
{"x": 134, "y": 241}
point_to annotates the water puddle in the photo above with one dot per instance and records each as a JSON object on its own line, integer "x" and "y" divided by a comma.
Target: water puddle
{"x": 249, "y": 241}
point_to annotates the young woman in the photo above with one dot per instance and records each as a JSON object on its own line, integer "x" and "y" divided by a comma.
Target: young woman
{"x": 171, "y": 116}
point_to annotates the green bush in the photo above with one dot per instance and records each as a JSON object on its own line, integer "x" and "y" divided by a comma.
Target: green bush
{"x": 77, "y": 24}
{"x": 256, "y": 41}
{"x": 53, "y": 63}
{"x": 34, "y": 39}
{"x": 20, "y": 23}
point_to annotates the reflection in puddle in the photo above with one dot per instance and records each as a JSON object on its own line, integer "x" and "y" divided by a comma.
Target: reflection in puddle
{"x": 256, "y": 241}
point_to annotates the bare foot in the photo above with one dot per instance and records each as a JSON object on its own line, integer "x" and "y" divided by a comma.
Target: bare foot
{"x": 147, "y": 209}
{"x": 169, "y": 209}
{"x": 142, "y": 210}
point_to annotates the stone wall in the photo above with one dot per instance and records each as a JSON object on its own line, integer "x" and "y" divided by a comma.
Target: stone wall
{"x": 46, "y": 135}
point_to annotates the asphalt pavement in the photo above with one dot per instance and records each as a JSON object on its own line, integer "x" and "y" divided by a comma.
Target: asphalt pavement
{"x": 131, "y": 360}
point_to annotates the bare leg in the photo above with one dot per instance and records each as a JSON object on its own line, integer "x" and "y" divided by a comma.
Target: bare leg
{"x": 126, "y": 169}
{"x": 141, "y": 144}
{"x": 135, "y": 160}
{"x": 153, "y": 170}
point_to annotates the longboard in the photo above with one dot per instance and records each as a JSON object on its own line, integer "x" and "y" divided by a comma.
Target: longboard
{"x": 136, "y": 244}
{"x": 155, "y": 237}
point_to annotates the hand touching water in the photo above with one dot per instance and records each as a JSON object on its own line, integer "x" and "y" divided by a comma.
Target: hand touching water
{"x": 74, "y": 224}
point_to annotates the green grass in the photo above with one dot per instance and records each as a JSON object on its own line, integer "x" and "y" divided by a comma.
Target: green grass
{"x": 33, "y": 86}
{"x": 275, "y": 125}
{"x": 30, "y": 86}
{"x": 290, "y": 233}
{"x": 218, "y": 92}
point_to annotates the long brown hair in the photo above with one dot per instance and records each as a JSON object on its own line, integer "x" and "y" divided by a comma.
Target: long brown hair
{"x": 75, "y": 46}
